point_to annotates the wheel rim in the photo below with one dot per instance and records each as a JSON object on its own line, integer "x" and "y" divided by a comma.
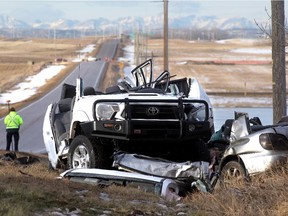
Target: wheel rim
{"x": 81, "y": 158}
{"x": 233, "y": 173}
{"x": 232, "y": 176}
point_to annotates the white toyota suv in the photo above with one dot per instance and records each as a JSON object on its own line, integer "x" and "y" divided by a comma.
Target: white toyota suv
{"x": 162, "y": 117}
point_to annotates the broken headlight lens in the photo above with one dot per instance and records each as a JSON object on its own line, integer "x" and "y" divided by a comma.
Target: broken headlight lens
{"x": 107, "y": 111}
{"x": 197, "y": 114}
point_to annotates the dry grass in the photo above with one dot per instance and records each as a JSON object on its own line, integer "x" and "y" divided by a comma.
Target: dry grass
{"x": 186, "y": 58}
{"x": 264, "y": 195}
{"x": 197, "y": 59}
{"x": 22, "y": 58}
{"x": 34, "y": 190}
{"x": 17, "y": 57}
{"x": 27, "y": 189}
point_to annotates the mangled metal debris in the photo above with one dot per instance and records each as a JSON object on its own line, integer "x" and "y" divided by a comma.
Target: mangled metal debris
{"x": 161, "y": 167}
{"x": 241, "y": 148}
{"x": 25, "y": 160}
{"x": 167, "y": 188}
{"x": 168, "y": 179}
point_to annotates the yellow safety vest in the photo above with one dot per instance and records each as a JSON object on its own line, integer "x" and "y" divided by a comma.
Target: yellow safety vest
{"x": 13, "y": 120}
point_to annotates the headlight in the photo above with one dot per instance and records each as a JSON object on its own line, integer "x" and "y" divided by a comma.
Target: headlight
{"x": 107, "y": 111}
{"x": 197, "y": 114}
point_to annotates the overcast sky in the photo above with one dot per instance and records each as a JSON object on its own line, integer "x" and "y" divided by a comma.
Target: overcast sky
{"x": 51, "y": 10}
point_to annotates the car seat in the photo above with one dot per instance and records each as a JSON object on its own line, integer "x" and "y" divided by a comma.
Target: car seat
{"x": 62, "y": 119}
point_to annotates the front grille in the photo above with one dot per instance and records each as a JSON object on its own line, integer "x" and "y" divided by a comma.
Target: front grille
{"x": 154, "y": 112}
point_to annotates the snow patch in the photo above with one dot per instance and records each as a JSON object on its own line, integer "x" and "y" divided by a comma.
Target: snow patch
{"x": 181, "y": 63}
{"x": 30, "y": 85}
{"x": 252, "y": 51}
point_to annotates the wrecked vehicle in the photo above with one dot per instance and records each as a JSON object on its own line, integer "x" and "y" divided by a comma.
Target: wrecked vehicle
{"x": 162, "y": 117}
{"x": 167, "y": 188}
{"x": 162, "y": 177}
{"x": 160, "y": 167}
{"x": 189, "y": 175}
{"x": 247, "y": 147}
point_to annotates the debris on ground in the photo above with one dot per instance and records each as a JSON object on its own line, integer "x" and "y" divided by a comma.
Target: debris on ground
{"x": 168, "y": 179}
{"x": 24, "y": 160}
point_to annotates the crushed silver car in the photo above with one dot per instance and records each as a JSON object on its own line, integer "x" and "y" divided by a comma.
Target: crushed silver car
{"x": 247, "y": 147}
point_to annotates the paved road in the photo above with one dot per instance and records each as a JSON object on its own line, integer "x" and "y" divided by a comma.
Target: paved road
{"x": 31, "y": 139}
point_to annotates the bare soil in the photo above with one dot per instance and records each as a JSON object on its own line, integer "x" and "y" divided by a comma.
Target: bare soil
{"x": 233, "y": 68}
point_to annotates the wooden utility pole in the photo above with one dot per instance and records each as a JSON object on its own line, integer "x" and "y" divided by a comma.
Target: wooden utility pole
{"x": 136, "y": 47}
{"x": 166, "y": 62}
{"x": 278, "y": 58}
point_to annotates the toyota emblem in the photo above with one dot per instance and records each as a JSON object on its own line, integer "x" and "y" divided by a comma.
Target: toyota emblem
{"x": 152, "y": 111}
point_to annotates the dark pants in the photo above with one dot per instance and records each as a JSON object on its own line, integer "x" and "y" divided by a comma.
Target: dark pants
{"x": 12, "y": 133}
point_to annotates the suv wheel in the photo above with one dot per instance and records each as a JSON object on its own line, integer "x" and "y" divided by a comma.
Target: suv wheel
{"x": 84, "y": 153}
{"x": 81, "y": 153}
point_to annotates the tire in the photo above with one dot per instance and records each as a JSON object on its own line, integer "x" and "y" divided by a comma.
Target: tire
{"x": 83, "y": 154}
{"x": 232, "y": 174}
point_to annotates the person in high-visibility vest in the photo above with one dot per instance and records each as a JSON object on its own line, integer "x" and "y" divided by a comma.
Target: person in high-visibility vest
{"x": 13, "y": 121}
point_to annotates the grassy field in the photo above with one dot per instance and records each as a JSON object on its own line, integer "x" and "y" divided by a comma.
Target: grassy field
{"x": 34, "y": 190}
{"x": 219, "y": 68}
{"x": 231, "y": 66}
{"x": 22, "y": 58}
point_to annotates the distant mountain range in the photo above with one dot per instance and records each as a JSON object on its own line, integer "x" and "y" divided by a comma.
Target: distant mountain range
{"x": 204, "y": 22}
{"x": 125, "y": 25}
